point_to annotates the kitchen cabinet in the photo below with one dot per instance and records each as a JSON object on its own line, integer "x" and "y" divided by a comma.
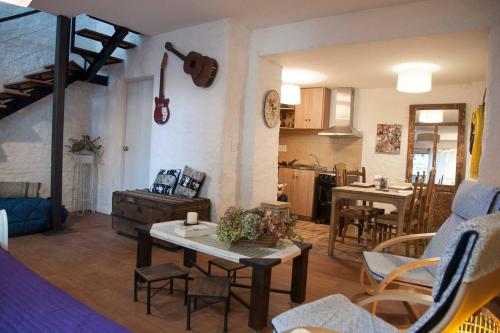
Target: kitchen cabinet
{"x": 314, "y": 109}
{"x": 300, "y": 190}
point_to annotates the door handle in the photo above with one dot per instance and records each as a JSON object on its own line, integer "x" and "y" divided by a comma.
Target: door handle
{"x": 125, "y": 148}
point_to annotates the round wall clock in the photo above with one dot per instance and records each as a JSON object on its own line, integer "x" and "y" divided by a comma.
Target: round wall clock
{"x": 272, "y": 108}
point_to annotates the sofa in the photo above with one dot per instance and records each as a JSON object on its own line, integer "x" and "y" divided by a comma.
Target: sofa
{"x": 26, "y": 212}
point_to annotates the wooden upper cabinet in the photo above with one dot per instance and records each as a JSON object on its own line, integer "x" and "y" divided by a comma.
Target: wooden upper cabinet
{"x": 314, "y": 109}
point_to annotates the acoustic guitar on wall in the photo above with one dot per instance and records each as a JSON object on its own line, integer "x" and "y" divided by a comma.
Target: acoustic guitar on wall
{"x": 202, "y": 69}
{"x": 162, "y": 111}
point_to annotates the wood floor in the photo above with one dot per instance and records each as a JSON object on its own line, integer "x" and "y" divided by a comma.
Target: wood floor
{"x": 95, "y": 265}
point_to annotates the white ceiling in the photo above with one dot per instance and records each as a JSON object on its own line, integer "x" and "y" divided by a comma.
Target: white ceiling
{"x": 153, "y": 17}
{"x": 463, "y": 58}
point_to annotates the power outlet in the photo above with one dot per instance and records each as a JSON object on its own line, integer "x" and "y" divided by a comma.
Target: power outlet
{"x": 282, "y": 148}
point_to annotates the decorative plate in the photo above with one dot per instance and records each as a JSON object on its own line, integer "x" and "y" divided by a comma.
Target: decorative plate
{"x": 272, "y": 108}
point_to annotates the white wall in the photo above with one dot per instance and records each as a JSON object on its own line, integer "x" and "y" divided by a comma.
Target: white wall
{"x": 203, "y": 130}
{"x": 26, "y": 45}
{"x": 259, "y": 148}
{"x": 490, "y": 160}
{"x": 414, "y": 19}
{"x": 388, "y": 106}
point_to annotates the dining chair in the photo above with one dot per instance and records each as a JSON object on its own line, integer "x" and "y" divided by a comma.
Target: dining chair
{"x": 416, "y": 217}
{"x": 382, "y": 269}
{"x": 358, "y": 215}
{"x": 385, "y": 226}
{"x": 467, "y": 278}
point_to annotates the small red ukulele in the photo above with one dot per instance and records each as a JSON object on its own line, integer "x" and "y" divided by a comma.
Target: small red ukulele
{"x": 162, "y": 112}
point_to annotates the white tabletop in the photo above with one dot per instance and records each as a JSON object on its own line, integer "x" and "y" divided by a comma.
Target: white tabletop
{"x": 373, "y": 190}
{"x": 210, "y": 244}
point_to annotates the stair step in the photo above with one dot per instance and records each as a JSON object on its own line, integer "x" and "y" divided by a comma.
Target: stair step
{"x": 27, "y": 84}
{"x": 97, "y": 36}
{"x": 72, "y": 66}
{"x": 91, "y": 55}
{"x": 47, "y": 75}
{"x": 10, "y": 94}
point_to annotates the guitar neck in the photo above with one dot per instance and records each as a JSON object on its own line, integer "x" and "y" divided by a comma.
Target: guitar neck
{"x": 171, "y": 48}
{"x": 162, "y": 76}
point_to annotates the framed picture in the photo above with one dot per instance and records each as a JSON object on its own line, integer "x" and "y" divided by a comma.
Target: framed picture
{"x": 388, "y": 139}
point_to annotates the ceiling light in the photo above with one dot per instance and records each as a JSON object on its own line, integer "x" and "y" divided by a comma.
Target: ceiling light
{"x": 290, "y": 94}
{"x": 22, "y": 3}
{"x": 430, "y": 116}
{"x": 301, "y": 76}
{"x": 415, "y": 77}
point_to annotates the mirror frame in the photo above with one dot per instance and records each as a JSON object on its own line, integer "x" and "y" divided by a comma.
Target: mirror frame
{"x": 460, "y": 167}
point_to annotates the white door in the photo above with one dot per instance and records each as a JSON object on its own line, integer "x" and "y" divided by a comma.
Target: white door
{"x": 137, "y": 140}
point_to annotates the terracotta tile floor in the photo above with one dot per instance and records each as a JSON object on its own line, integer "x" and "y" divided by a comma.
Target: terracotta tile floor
{"x": 95, "y": 265}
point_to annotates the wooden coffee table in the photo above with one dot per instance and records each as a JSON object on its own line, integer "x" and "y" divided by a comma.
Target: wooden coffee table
{"x": 261, "y": 260}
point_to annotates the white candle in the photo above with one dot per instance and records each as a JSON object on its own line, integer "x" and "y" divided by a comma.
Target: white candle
{"x": 192, "y": 218}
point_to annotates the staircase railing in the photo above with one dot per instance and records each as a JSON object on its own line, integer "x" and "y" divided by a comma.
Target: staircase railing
{"x": 15, "y": 17}
{"x": 35, "y": 86}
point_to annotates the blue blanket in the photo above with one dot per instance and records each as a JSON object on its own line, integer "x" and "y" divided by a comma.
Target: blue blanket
{"x": 29, "y": 303}
{"x": 28, "y": 215}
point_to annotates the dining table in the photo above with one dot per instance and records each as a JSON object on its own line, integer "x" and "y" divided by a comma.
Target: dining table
{"x": 399, "y": 198}
{"x": 260, "y": 259}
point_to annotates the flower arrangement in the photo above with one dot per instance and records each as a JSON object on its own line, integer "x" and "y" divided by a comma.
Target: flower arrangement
{"x": 84, "y": 144}
{"x": 255, "y": 225}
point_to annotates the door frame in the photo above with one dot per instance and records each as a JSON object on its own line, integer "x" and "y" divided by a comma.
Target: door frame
{"x": 124, "y": 123}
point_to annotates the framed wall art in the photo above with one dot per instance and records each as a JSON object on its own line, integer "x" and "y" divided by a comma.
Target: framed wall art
{"x": 388, "y": 139}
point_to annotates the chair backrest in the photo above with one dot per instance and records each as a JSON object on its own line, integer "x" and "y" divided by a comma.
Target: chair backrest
{"x": 4, "y": 230}
{"x": 425, "y": 203}
{"x": 473, "y": 199}
{"x": 340, "y": 174}
{"x": 467, "y": 278}
{"x": 360, "y": 174}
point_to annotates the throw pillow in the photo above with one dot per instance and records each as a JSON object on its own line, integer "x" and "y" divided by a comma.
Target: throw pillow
{"x": 165, "y": 181}
{"x": 190, "y": 182}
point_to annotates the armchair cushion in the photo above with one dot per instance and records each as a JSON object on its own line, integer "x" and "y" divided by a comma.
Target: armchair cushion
{"x": 334, "y": 312}
{"x": 382, "y": 264}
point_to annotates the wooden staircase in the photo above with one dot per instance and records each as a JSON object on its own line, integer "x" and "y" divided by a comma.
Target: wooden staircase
{"x": 35, "y": 86}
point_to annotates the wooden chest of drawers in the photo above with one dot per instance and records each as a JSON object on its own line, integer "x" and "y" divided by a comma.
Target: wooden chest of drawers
{"x": 140, "y": 207}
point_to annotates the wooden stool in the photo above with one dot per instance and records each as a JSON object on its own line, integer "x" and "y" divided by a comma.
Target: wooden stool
{"x": 229, "y": 266}
{"x": 150, "y": 274}
{"x": 276, "y": 206}
{"x": 209, "y": 287}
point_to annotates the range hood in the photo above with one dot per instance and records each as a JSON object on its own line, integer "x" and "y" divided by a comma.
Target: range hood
{"x": 341, "y": 114}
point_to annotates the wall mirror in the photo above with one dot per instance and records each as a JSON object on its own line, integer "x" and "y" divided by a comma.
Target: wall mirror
{"x": 436, "y": 139}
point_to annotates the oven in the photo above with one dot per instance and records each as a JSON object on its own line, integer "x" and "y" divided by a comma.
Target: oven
{"x": 324, "y": 197}
{"x": 326, "y": 181}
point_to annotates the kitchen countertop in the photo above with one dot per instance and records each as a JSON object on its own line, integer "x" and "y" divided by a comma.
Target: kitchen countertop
{"x": 303, "y": 167}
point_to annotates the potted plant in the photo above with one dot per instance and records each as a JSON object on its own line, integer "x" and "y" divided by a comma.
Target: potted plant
{"x": 255, "y": 227}
{"x": 85, "y": 146}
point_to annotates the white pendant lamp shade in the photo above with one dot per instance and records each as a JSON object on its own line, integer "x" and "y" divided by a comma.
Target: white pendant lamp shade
{"x": 415, "y": 77}
{"x": 430, "y": 116}
{"x": 22, "y": 3}
{"x": 290, "y": 94}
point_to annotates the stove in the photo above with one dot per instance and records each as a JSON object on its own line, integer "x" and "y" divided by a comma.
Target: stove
{"x": 326, "y": 181}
